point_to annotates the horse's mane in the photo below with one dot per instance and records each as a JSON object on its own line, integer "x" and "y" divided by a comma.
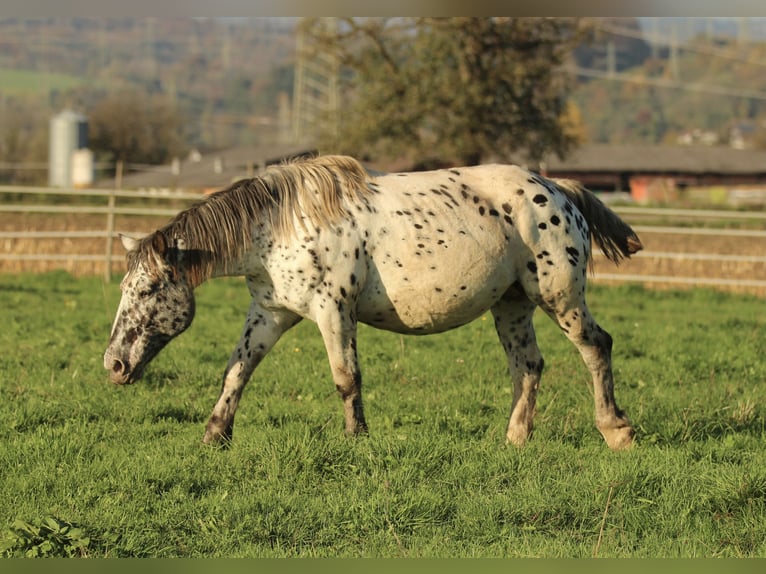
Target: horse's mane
{"x": 286, "y": 197}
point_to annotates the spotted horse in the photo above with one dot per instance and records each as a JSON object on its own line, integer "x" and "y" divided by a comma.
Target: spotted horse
{"x": 413, "y": 253}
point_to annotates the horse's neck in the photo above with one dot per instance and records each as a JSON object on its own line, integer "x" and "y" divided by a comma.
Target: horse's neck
{"x": 235, "y": 267}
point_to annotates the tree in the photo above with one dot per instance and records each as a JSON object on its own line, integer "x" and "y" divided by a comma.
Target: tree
{"x": 23, "y": 140}
{"x": 133, "y": 127}
{"x": 452, "y": 89}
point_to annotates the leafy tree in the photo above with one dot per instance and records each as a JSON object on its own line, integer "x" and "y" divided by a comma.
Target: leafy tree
{"x": 450, "y": 89}
{"x": 23, "y": 140}
{"x": 133, "y": 127}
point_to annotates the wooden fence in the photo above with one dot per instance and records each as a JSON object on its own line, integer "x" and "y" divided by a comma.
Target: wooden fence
{"x": 81, "y": 202}
{"x": 720, "y": 248}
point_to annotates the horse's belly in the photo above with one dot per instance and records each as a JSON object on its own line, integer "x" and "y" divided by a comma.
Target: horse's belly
{"x": 436, "y": 260}
{"x": 428, "y": 302}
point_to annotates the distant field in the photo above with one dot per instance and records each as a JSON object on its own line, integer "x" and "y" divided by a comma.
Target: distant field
{"x": 14, "y": 82}
{"x": 89, "y": 469}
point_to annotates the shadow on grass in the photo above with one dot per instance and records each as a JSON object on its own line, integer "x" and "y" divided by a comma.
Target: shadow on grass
{"x": 20, "y": 289}
{"x": 179, "y": 415}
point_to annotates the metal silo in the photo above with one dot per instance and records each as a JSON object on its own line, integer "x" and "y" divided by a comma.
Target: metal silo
{"x": 68, "y": 133}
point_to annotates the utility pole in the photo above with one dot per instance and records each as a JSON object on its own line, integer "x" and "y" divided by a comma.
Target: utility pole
{"x": 611, "y": 59}
{"x": 316, "y": 89}
{"x": 655, "y": 37}
{"x": 150, "y": 55}
{"x": 743, "y": 37}
{"x": 674, "y": 71}
{"x": 226, "y": 48}
{"x": 709, "y": 33}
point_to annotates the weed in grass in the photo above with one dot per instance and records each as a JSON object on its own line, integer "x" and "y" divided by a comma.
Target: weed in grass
{"x": 52, "y": 537}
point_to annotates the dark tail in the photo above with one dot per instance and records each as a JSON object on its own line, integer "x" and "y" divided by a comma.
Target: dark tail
{"x": 615, "y": 237}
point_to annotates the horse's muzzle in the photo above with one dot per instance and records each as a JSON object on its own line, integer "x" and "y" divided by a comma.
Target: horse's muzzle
{"x": 120, "y": 372}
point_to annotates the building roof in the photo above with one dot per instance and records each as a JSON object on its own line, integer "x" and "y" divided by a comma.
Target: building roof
{"x": 661, "y": 158}
{"x": 209, "y": 171}
{"x": 215, "y": 170}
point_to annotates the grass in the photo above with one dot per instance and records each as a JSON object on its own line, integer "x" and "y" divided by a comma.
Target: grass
{"x": 20, "y": 82}
{"x": 102, "y": 471}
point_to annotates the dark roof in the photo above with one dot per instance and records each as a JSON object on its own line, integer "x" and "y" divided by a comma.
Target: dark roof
{"x": 237, "y": 163}
{"x": 211, "y": 170}
{"x": 661, "y": 158}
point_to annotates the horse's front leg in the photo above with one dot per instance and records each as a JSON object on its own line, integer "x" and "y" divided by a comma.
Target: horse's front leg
{"x": 260, "y": 333}
{"x": 339, "y": 334}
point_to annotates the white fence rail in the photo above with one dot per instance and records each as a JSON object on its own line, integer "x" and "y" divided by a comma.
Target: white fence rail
{"x": 112, "y": 203}
{"x": 691, "y": 218}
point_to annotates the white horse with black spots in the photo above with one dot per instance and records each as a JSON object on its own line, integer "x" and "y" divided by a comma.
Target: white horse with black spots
{"x": 413, "y": 253}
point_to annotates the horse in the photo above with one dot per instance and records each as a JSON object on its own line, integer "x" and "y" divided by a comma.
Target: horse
{"x": 414, "y": 253}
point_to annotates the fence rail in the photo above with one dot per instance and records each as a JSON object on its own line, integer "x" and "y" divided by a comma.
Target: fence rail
{"x": 692, "y": 213}
{"x": 699, "y": 231}
{"x": 101, "y": 202}
{"x": 104, "y": 205}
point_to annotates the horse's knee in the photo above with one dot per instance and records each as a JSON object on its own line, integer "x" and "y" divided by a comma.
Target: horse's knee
{"x": 590, "y": 334}
{"x": 536, "y": 365}
{"x": 604, "y": 339}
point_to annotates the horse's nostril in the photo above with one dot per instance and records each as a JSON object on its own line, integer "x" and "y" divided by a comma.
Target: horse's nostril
{"x": 118, "y": 366}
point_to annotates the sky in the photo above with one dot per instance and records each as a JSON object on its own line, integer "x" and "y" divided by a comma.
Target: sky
{"x": 387, "y": 8}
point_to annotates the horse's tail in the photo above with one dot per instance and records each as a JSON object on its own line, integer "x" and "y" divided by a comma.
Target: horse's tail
{"x": 615, "y": 237}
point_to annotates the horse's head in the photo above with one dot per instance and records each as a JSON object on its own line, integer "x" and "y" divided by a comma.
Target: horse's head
{"x": 157, "y": 305}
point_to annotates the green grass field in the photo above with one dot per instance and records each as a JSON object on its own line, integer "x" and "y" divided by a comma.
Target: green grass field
{"x": 18, "y": 82}
{"x": 89, "y": 469}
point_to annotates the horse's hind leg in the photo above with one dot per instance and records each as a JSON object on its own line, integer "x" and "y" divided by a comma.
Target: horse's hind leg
{"x": 595, "y": 346}
{"x": 261, "y": 331}
{"x": 513, "y": 322}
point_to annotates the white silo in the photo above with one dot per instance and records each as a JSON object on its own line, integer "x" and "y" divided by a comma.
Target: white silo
{"x": 68, "y": 133}
{"x": 82, "y": 168}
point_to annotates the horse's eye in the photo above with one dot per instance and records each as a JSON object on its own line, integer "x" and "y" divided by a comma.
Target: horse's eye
{"x": 144, "y": 293}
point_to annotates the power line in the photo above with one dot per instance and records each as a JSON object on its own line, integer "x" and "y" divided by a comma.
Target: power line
{"x": 672, "y": 83}
{"x": 687, "y": 47}
{"x": 665, "y": 83}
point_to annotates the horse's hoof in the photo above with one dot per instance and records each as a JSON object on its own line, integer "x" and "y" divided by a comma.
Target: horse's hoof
{"x": 216, "y": 438}
{"x": 517, "y": 436}
{"x": 620, "y": 438}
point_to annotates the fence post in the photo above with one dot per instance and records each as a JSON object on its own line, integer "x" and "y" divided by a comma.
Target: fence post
{"x": 110, "y": 223}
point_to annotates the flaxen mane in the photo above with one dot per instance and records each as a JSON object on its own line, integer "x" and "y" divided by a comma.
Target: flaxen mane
{"x": 286, "y": 197}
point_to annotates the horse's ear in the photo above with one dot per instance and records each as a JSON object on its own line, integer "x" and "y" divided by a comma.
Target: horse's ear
{"x": 160, "y": 244}
{"x": 128, "y": 242}
{"x": 180, "y": 249}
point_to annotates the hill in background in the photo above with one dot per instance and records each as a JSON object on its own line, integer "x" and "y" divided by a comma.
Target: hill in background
{"x": 225, "y": 76}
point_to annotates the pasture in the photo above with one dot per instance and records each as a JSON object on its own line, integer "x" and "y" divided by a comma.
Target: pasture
{"x": 91, "y": 469}
{"x": 20, "y": 82}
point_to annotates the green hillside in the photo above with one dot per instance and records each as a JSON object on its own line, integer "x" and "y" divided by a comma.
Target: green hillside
{"x": 23, "y": 82}
{"x": 711, "y": 88}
